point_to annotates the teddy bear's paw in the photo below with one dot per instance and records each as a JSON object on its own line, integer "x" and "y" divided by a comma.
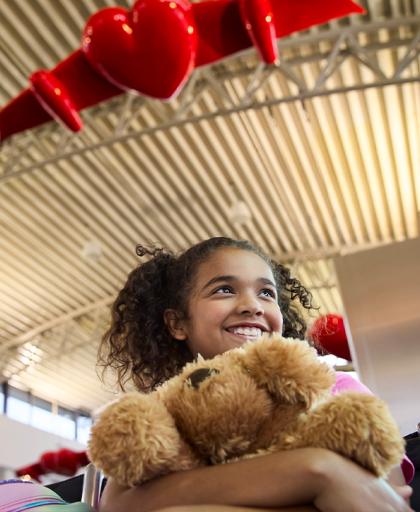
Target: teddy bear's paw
{"x": 135, "y": 439}
{"x": 358, "y": 426}
{"x": 288, "y": 368}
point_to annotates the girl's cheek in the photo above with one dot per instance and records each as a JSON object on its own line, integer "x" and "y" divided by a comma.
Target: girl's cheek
{"x": 278, "y": 319}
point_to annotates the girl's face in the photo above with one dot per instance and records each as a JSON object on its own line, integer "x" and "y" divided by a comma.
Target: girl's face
{"x": 234, "y": 300}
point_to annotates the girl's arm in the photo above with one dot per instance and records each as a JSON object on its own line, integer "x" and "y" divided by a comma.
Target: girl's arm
{"x": 297, "y": 477}
{"x": 396, "y": 477}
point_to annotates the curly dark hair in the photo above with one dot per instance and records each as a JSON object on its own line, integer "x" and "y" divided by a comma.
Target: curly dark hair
{"x": 139, "y": 346}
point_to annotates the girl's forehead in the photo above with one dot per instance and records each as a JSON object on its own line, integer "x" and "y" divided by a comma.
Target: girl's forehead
{"x": 230, "y": 261}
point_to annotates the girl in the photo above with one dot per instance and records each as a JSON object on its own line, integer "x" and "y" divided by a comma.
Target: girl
{"x": 214, "y": 297}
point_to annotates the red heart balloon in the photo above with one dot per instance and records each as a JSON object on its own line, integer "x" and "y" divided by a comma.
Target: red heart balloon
{"x": 329, "y": 332}
{"x": 150, "y": 49}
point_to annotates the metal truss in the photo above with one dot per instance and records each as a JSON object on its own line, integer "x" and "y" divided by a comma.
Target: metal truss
{"x": 55, "y": 323}
{"x": 87, "y": 323}
{"x": 35, "y": 149}
{"x": 55, "y": 339}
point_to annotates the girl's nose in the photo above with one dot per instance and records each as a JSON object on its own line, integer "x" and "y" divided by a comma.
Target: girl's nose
{"x": 250, "y": 306}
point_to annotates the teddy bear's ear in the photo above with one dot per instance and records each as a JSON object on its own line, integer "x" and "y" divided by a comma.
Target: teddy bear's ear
{"x": 289, "y": 369}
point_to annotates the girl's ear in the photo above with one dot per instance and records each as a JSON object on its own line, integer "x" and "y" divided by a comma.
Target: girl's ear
{"x": 175, "y": 324}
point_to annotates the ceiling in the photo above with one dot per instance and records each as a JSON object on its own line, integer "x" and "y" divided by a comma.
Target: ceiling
{"x": 323, "y": 150}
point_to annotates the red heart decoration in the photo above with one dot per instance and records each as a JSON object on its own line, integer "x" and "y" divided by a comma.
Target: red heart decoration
{"x": 258, "y": 19}
{"x": 150, "y": 49}
{"x": 329, "y": 332}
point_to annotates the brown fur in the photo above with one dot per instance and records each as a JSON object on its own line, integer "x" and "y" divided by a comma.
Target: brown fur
{"x": 270, "y": 395}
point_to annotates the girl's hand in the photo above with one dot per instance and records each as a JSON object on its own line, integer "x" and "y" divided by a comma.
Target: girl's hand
{"x": 348, "y": 487}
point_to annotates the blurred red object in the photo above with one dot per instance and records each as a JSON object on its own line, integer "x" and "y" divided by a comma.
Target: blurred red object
{"x": 63, "y": 462}
{"x": 329, "y": 333}
{"x": 33, "y": 470}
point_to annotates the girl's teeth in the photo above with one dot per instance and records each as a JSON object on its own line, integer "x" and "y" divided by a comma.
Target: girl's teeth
{"x": 254, "y": 332}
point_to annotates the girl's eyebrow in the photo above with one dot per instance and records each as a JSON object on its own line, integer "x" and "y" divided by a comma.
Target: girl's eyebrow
{"x": 230, "y": 278}
{"x": 265, "y": 280}
{"x": 219, "y": 279}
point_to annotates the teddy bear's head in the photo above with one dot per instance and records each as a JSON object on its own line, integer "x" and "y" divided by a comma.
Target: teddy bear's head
{"x": 224, "y": 405}
{"x": 219, "y": 409}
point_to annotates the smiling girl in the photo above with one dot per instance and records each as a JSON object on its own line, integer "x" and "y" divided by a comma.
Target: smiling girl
{"x": 210, "y": 299}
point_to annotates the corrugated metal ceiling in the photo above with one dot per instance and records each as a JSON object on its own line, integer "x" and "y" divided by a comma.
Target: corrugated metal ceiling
{"x": 324, "y": 151}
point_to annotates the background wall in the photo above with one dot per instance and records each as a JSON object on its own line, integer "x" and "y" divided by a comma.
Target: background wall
{"x": 22, "y": 444}
{"x": 381, "y": 294}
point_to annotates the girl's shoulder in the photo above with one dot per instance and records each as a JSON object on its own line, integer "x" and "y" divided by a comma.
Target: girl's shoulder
{"x": 344, "y": 381}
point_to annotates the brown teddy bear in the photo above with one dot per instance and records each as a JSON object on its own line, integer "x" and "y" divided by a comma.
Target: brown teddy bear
{"x": 270, "y": 395}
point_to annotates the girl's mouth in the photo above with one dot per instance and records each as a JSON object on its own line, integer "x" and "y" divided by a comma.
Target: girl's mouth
{"x": 246, "y": 332}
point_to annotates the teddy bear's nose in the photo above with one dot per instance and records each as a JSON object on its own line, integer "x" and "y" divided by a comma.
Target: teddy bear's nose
{"x": 198, "y": 376}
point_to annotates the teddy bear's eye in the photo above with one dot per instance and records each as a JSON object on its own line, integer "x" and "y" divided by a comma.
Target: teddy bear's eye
{"x": 198, "y": 376}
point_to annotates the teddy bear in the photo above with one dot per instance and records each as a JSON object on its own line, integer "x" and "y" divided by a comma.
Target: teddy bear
{"x": 268, "y": 395}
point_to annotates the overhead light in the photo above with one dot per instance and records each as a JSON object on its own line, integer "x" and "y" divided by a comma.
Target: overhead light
{"x": 92, "y": 250}
{"x": 239, "y": 213}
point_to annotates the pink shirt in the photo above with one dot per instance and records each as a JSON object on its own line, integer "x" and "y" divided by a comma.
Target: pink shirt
{"x": 345, "y": 382}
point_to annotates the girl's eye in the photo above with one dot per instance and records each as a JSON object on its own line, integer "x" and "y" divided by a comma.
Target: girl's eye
{"x": 224, "y": 289}
{"x": 268, "y": 292}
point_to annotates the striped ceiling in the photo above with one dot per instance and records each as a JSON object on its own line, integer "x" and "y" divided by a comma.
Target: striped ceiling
{"x": 322, "y": 152}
